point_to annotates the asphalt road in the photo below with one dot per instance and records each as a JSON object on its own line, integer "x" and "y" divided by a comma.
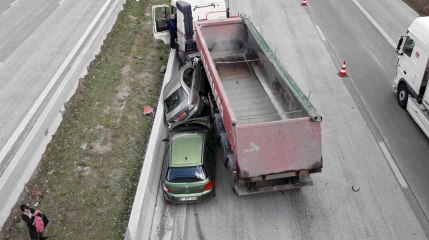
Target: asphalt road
{"x": 329, "y": 209}
{"x": 371, "y": 67}
{"x": 45, "y": 48}
{"x": 36, "y": 36}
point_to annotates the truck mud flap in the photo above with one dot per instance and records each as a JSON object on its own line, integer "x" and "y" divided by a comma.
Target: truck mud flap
{"x": 271, "y": 186}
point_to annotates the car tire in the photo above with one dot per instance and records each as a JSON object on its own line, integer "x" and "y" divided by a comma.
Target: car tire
{"x": 402, "y": 95}
{"x": 166, "y": 200}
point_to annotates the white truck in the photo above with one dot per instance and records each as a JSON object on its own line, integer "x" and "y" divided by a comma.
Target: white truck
{"x": 187, "y": 12}
{"x": 412, "y": 72}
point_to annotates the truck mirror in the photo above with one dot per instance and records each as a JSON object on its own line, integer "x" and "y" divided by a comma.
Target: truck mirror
{"x": 399, "y": 47}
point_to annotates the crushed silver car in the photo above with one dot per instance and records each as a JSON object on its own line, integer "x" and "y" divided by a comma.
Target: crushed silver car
{"x": 184, "y": 94}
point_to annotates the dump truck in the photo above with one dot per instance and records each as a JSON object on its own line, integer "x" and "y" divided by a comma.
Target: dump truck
{"x": 412, "y": 72}
{"x": 269, "y": 132}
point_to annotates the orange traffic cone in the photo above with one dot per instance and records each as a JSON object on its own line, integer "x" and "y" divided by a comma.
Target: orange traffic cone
{"x": 343, "y": 72}
{"x": 304, "y": 3}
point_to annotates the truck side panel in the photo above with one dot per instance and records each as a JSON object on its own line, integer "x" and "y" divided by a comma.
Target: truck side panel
{"x": 258, "y": 145}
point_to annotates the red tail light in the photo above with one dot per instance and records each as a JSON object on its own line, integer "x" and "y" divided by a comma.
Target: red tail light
{"x": 167, "y": 189}
{"x": 182, "y": 116}
{"x": 208, "y": 186}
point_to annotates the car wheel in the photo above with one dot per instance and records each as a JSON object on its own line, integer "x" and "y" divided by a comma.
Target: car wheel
{"x": 166, "y": 200}
{"x": 402, "y": 95}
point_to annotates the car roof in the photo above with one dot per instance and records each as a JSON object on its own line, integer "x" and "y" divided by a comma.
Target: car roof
{"x": 175, "y": 82}
{"x": 186, "y": 149}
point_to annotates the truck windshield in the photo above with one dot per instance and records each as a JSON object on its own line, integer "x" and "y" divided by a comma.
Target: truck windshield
{"x": 186, "y": 174}
{"x": 175, "y": 99}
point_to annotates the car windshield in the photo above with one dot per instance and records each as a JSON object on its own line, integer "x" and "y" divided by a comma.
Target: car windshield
{"x": 175, "y": 99}
{"x": 186, "y": 174}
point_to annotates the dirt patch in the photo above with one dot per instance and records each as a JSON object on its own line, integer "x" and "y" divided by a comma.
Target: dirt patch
{"x": 420, "y": 6}
{"x": 88, "y": 176}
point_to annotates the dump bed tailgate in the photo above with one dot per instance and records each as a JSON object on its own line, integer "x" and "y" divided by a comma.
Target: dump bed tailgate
{"x": 276, "y": 147}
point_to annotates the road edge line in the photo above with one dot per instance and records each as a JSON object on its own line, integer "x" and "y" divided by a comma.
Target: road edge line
{"x": 375, "y": 24}
{"x": 393, "y": 165}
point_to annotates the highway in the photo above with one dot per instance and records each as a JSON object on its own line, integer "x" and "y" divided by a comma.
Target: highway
{"x": 362, "y": 129}
{"x": 29, "y": 56}
{"x": 45, "y": 48}
{"x": 372, "y": 67}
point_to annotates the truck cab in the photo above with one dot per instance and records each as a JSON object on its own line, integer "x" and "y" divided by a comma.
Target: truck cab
{"x": 412, "y": 72}
{"x": 187, "y": 12}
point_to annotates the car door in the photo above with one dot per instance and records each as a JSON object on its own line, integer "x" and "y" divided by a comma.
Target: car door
{"x": 160, "y": 15}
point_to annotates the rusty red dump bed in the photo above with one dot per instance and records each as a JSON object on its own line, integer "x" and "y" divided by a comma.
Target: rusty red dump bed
{"x": 272, "y": 126}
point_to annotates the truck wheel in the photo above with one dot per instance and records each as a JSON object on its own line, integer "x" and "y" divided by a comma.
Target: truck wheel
{"x": 225, "y": 145}
{"x": 402, "y": 95}
{"x": 218, "y": 123}
{"x": 230, "y": 162}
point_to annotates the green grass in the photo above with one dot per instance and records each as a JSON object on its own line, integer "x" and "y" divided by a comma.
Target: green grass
{"x": 90, "y": 170}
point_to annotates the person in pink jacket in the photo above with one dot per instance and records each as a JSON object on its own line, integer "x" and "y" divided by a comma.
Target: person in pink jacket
{"x": 35, "y": 223}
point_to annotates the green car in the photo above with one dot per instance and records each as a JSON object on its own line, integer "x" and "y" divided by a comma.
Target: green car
{"x": 191, "y": 160}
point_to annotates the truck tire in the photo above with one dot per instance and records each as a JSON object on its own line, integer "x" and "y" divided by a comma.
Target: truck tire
{"x": 230, "y": 162}
{"x": 225, "y": 146}
{"x": 402, "y": 95}
{"x": 218, "y": 124}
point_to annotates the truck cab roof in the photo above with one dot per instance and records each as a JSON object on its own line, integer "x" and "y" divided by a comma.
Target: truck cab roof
{"x": 195, "y": 3}
{"x": 420, "y": 29}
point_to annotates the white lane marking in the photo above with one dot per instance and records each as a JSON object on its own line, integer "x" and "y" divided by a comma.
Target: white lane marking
{"x": 376, "y": 25}
{"x": 179, "y": 223}
{"x": 21, "y": 127}
{"x": 61, "y": 2}
{"x": 393, "y": 165}
{"x": 319, "y": 30}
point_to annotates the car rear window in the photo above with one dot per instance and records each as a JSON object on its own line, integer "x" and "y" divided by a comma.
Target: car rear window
{"x": 186, "y": 174}
{"x": 175, "y": 99}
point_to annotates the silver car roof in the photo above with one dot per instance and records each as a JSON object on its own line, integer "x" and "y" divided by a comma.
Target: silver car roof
{"x": 175, "y": 82}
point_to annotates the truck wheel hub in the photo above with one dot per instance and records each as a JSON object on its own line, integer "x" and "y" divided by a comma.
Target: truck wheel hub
{"x": 401, "y": 95}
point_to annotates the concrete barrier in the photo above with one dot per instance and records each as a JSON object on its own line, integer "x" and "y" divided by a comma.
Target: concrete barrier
{"x": 140, "y": 221}
{"x": 25, "y": 154}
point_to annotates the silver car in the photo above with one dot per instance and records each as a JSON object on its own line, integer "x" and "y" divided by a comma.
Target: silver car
{"x": 183, "y": 95}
